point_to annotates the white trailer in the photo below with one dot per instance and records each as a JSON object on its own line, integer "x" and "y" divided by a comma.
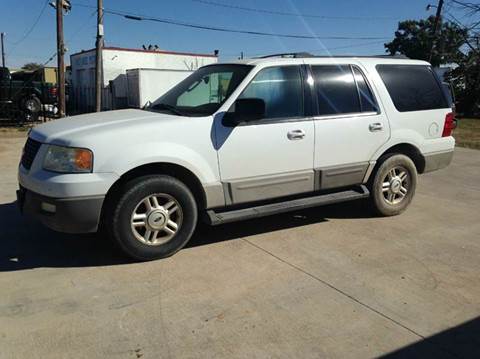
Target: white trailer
{"x": 147, "y": 85}
{"x": 115, "y": 62}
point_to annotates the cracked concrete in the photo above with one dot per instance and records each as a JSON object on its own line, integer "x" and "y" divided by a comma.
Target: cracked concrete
{"x": 325, "y": 282}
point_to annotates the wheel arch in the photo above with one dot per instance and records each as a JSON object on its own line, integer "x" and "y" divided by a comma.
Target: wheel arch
{"x": 407, "y": 149}
{"x": 26, "y": 94}
{"x": 161, "y": 168}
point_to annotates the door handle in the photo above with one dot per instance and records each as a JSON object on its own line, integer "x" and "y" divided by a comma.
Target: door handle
{"x": 296, "y": 135}
{"x": 375, "y": 127}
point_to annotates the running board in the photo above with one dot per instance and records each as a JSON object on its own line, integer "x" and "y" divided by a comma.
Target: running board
{"x": 214, "y": 218}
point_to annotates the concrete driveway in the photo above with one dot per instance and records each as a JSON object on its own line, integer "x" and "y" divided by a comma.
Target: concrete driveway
{"x": 325, "y": 282}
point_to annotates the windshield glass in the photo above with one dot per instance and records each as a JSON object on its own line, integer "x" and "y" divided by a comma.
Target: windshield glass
{"x": 203, "y": 92}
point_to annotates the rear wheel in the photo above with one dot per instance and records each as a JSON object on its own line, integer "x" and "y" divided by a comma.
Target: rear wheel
{"x": 31, "y": 106}
{"x": 153, "y": 217}
{"x": 394, "y": 185}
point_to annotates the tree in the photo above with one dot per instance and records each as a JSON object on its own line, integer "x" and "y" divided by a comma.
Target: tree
{"x": 453, "y": 45}
{"x": 466, "y": 83}
{"x": 32, "y": 66}
{"x": 466, "y": 78}
{"x": 414, "y": 38}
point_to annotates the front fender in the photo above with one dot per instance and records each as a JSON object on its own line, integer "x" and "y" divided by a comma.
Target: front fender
{"x": 137, "y": 155}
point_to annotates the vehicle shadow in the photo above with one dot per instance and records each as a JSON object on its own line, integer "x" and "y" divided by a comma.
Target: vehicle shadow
{"x": 461, "y": 341}
{"x": 26, "y": 244}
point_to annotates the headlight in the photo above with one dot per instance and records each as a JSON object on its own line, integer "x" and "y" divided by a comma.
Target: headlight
{"x": 68, "y": 159}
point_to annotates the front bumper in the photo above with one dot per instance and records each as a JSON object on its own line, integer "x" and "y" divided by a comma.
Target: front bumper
{"x": 68, "y": 215}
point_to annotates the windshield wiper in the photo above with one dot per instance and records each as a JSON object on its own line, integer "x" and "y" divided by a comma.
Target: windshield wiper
{"x": 166, "y": 106}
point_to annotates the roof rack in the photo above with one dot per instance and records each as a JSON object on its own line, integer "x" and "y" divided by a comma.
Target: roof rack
{"x": 307, "y": 54}
{"x": 293, "y": 55}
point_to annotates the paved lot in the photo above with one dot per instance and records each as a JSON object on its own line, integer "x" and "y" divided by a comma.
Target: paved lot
{"x": 326, "y": 282}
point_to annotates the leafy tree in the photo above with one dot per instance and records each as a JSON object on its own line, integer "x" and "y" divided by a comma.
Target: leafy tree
{"x": 466, "y": 83}
{"x": 32, "y": 66}
{"x": 453, "y": 45}
{"x": 414, "y": 38}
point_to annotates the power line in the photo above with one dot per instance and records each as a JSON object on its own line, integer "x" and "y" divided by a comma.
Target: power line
{"x": 284, "y": 13}
{"x": 70, "y": 38}
{"x": 33, "y": 25}
{"x": 139, "y": 17}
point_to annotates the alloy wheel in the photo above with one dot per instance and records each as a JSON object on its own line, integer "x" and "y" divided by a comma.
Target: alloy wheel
{"x": 395, "y": 185}
{"x": 156, "y": 219}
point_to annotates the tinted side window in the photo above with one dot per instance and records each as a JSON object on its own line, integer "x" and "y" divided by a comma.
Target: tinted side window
{"x": 281, "y": 89}
{"x": 412, "y": 87}
{"x": 336, "y": 90}
{"x": 367, "y": 101}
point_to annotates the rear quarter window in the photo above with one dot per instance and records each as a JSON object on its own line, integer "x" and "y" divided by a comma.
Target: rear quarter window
{"x": 412, "y": 87}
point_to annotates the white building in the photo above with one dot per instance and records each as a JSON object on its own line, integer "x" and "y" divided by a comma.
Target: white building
{"x": 115, "y": 63}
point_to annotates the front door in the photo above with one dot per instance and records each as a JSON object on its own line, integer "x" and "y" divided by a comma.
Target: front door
{"x": 271, "y": 157}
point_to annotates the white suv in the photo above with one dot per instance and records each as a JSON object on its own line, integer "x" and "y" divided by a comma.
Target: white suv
{"x": 241, "y": 140}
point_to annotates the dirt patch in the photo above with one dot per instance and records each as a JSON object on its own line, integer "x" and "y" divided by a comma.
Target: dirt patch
{"x": 16, "y": 132}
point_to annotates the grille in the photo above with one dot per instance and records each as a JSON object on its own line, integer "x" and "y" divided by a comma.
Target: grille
{"x": 29, "y": 152}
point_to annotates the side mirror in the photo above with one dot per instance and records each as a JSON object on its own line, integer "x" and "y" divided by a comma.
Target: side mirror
{"x": 246, "y": 109}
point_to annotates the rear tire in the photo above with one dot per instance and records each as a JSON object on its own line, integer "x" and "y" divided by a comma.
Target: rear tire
{"x": 31, "y": 107}
{"x": 393, "y": 185}
{"x": 32, "y": 104}
{"x": 152, "y": 217}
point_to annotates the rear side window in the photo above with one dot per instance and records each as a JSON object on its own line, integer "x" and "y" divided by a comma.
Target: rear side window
{"x": 412, "y": 87}
{"x": 367, "y": 101}
{"x": 336, "y": 90}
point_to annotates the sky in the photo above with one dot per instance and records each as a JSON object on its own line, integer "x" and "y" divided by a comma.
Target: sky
{"x": 374, "y": 18}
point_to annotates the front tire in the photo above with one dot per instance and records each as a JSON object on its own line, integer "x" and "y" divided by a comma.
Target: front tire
{"x": 152, "y": 217}
{"x": 394, "y": 184}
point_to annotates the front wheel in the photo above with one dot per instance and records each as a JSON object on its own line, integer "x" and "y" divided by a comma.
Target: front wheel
{"x": 394, "y": 184}
{"x": 152, "y": 217}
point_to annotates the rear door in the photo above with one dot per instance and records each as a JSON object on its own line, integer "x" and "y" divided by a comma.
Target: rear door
{"x": 349, "y": 125}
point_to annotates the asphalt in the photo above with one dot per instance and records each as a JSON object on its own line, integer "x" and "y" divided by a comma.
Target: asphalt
{"x": 326, "y": 282}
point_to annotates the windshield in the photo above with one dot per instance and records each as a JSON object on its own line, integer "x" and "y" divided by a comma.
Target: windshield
{"x": 203, "y": 92}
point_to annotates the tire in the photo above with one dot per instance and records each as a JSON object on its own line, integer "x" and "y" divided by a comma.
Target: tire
{"x": 31, "y": 104}
{"x": 149, "y": 235}
{"x": 393, "y": 198}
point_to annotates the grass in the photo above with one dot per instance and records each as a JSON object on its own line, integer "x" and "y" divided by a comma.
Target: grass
{"x": 467, "y": 134}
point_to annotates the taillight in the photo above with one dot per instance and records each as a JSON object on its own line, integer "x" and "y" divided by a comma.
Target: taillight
{"x": 53, "y": 91}
{"x": 449, "y": 125}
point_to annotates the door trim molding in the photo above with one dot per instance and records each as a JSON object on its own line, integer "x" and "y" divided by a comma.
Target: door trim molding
{"x": 340, "y": 176}
{"x": 270, "y": 186}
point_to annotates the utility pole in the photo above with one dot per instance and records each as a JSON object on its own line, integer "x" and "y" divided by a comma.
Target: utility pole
{"x": 3, "y": 51}
{"x": 435, "y": 27}
{"x": 60, "y": 62}
{"x": 98, "y": 60}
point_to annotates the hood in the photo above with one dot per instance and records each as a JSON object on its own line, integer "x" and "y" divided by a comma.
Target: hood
{"x": 73, "y": 130}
